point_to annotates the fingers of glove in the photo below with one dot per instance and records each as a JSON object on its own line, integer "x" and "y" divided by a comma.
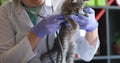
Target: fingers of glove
{"x": 55, "y": 20}
{"x": 91, "y": 27}
{"x": 53, "y": 28}
{"x": 88, "y": 10}
{"x": 83, "y": 17}
{"x": 80, "y": 18}
{"x": 83, "y": 25}
{"x": 38, "y": 32}
{"x": 57, "y": 16}
{"x": 75, "y": 18}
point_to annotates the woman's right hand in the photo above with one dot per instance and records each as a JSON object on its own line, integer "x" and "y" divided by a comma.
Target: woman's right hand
{"x": 48, "y": 25}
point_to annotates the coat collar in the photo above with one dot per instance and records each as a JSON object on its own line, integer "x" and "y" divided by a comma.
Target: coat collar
{"x": 22, "y": 14}
{"x": 20, "y": 7}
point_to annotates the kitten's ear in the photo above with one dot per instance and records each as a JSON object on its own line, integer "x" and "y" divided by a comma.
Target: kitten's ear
{"x": 73, "y": 1}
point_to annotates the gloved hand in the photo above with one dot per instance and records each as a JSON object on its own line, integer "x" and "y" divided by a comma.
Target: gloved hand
{"x": 87, "y": 23}
{"x": 48, "y": 25}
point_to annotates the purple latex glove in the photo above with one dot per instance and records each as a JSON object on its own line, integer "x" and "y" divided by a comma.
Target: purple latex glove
{"x": 88, "y": 23}
{"x": 48, "y": 25}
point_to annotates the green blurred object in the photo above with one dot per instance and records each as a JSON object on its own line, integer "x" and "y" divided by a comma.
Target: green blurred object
{"x": 100, "y": 2}
{"x": 90, "y": 3}
{"x": 2, "y": 1}
{"x": 117, "y": 38}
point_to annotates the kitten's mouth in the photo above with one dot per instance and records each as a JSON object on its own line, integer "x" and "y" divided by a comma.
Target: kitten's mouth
{"x": 75, "y": 13}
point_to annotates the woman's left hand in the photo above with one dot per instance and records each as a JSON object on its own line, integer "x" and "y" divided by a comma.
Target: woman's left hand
{"x": 87, "y": 23}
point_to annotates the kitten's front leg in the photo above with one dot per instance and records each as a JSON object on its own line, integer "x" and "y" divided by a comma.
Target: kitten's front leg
{"x": 71, "y": 52}
{"x": 65, "y": 48}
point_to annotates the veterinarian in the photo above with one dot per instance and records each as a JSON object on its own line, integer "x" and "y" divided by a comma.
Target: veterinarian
{"x": 23, "y": 32}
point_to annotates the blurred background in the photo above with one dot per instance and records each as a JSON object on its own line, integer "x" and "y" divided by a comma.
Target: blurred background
{"x": 108, "y": 17}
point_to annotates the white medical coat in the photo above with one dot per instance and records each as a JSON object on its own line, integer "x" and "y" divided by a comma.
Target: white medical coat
{"x": 15, "y": 24}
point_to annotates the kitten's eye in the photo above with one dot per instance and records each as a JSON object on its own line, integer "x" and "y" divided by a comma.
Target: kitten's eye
{"x": 75, "y": 8}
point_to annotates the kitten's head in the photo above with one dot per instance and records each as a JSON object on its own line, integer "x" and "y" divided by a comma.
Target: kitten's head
{"x": 76, "y": 5}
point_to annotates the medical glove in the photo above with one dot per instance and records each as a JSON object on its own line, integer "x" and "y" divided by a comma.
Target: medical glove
{"x": 48, "y": 25}
{"x": 88, "y": 22}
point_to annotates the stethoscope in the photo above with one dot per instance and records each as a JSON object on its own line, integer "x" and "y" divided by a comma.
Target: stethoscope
{"x": 47, "y": 38}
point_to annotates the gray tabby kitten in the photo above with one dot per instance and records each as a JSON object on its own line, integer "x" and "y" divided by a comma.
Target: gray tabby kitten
{"x": 64, "y": 44}
{"x": 67, "y": 34}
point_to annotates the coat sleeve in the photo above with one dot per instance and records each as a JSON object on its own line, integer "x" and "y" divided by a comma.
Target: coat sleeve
{"x": 83, "y": 48}
{"x": 9, "y": 51}
{"x": 57, "y": 6}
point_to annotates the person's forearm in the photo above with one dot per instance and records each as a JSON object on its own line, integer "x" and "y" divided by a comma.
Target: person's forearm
{"x": 92, "y": 36}
{"x": 33, "y": 39}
